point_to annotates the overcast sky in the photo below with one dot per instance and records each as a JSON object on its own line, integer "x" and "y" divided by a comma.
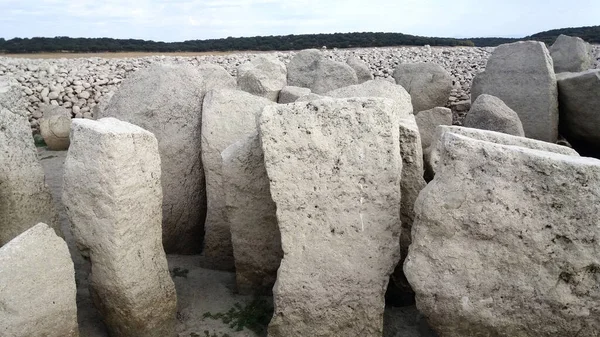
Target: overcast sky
{"x": 178, "y": 20}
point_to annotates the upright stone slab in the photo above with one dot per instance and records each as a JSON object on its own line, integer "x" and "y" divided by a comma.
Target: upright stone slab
{"x": 521, "y": 74}
{"x": 37, "y": 286}
{"x": 504, "y": 242}
{"x": 251, "y": 213}
{"x": 167, "y": 101}
{"x": 433, "y": 153}
{"x": 428, "y": 84}
{"x": 227, "y": 116}
{"x": 363, "y": 73}
{"x": 377, "y": 88}
{"x": 113, "y": 197}
{"x": 579, "y": 96}
{"x": 24, "y": 197}
{"x": 429, "y": 120}
{"x": 571, "y": 54}
{"x": 333, "y": 169}
{"x": 263, "y": 76}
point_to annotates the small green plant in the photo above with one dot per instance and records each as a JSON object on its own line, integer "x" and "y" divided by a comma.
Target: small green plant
{"x": 179, "y": 272}
{"x": 39, "y": 140}
{"x": 254, "y": 316}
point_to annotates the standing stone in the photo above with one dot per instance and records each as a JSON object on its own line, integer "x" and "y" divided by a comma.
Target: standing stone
{"x": 290, "y": 94}
{"x": 363, "y": 73}
{"x": 429, "y": 120}
{"x": 433, "y": 153}
{"x": 490, "y": 113}
{"x": 579, "y": 96}
{"x": 504, "y": 243}
{"x": 113, "y": 197}
{"x": 263, "y": 76}
{"x": 251, "y": 213}
{"x": 167, "y": 101}
{"x": 428, "y": 84}
{"x": 312, "y": 69}
{"x": 227, "y": 116}
{"x": 55, "y": 127}
{"x": 37, "y": 291}
{"x": 571, "y": 54}
{"x": 521, "y": 74}
{"x": 333, "y": 168}
{"x": 98, "y": 109}
{"x": 24, "y": 197}
{"x": 10, "y": 96}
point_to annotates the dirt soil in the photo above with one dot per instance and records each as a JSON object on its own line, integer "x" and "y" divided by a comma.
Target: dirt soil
{"x": 198, "y": 290}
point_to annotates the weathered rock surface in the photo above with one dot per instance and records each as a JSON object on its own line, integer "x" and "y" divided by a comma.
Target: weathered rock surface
{"x": 490, "y": 113}
{"x": 251, "y": 213}
{"x": 363, "y": 73}
{"x": 112, "y": 193}
{"x": 227, "y": 116}
{"x": 333, "y": 168}
{"x": 428, "y": 84}
{"x": 312, "y": 69}
{"x": 263, "y": 76}
{"x": 521, "y": 74}
{"x": 377, "y": 88}
{"x": 504, "y": 242}
{"x": 429, "y": 120}
{"x": 290, "y": 94}
{"x": 434, "y": 152}
{"x": 55, "y": 127}
{"x": 579, "y": 96}
{"x": 167, "y": 101}
{"x": 571, "y": 54}
{"x": 24, "y": 197}
{"x": 38, "y": 286}
{"x": 10, "y": 95}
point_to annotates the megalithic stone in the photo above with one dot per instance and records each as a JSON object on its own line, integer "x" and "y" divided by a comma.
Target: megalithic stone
{"x": 113, "y": 196}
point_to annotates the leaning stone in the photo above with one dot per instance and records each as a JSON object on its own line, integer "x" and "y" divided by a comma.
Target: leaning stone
{"x": 227, "y": 116}
{"x": 37, "y": 291}
{"x": 504, "y": 242}
{"x": 429, "y": 120}
{"x": 251, "y": 213}
{"x": 10, "y": 96}
{"x": 290, "y": 94}
{"x": 25, "y": 200}
{"x": 333, "y": 168}
{"x": 55, "y": 126}
{"x": 579, "y": 96}
{"x": 263, "y": 76}
{"x": 113, "y": 197}
{"x": 522, "y": 76}
{"x": 571, "y": 54}
{"x": 98, "y": 109}
{"x": 311, "y": 69}
{"x": 433, "y": 153}
{"x": 363, "y": 73}
{"x": 490, "y": 113}
{"x": 428, "y": 84}
{"x": 167, "y": 101}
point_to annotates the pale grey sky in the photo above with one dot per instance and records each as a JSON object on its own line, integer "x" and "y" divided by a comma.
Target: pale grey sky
{"x": 178, "y": 20}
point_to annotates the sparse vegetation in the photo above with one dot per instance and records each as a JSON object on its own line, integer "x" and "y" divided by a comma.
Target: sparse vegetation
{"x": 254, "y": 316}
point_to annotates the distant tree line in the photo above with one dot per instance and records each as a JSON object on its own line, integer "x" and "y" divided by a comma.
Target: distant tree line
{"x": 265, "y": 43}
{"x": 287, "y": 42}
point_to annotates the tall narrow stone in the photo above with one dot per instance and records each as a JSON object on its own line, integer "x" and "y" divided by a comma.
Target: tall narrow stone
{"x": 24, "y": 197}
{"x": 251, "y": 213}
{"x": 37, "y": 286}
{"x": 505, "y": 242}
{"x": 113, "y": 197}
{"x": 521, "y": 74}
{"x": 333, "y": 168}
{"x": 227, "y": 116}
